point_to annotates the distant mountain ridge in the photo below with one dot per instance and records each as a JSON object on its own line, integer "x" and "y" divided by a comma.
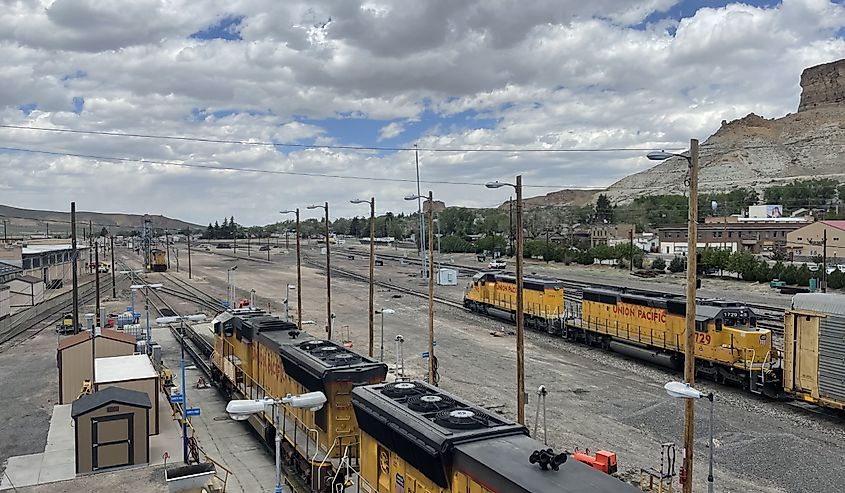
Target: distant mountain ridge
{"x": 30, "y": 221}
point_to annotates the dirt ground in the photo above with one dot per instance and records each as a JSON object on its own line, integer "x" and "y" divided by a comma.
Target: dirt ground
{"x": 596, "y": 399}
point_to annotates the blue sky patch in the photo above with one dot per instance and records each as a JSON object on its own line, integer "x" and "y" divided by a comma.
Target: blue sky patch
{"x": 688, "y": 8}
{"x": 350, "y": 129}
{"x": 28, "y": 108}
{"x": 79, "y": 74}
{"x": 227, "y": 28}
{"x": 78, "y": 104}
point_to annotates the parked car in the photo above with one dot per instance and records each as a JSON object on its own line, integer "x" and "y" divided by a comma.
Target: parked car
{"x": 264, "y": 248}
{"x": 497, "y": 264}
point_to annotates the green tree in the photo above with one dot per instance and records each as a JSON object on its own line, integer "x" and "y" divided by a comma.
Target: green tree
{"x": 744, "y": 263}
{"x": 678, "y": 264}
{"x": 803, "y": 276}
{"x": 217, "y": 232}
{"x": 658, "y": 264}
{"x": 836, "y": 279}
{"x": 604, "y": 210}
{"x": 455, "y": 244}
{"x": 790, "y": 274}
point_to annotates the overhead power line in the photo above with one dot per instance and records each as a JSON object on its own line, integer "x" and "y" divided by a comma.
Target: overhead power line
{"x": 327, "y": 146}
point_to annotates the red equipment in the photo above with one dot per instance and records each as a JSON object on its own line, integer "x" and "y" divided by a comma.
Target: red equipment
{"x": 604, "y": 461}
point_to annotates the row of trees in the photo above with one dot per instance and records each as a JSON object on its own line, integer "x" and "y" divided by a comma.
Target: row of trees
{"x": 228, "y": 229}
{"x": 753, "y": 269}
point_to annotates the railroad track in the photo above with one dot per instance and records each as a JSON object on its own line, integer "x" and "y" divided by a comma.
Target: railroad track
{"x": 35, "y": 326}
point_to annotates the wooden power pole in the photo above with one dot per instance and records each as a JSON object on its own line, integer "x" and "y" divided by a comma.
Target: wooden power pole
{"x": 689, "y": 341}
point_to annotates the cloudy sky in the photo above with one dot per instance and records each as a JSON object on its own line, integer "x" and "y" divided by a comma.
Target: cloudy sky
{"x": 442, "y": 74}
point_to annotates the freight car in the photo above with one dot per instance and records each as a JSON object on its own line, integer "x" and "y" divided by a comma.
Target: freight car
{"x": 158, "y": 260}
{"x": 814, "y": 349}
{"x": 257, "y": 355}
{"x": 416, "y": 438}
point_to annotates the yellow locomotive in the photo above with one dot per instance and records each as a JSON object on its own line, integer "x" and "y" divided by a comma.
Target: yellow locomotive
{"x": 158, "y": 260}
{"x": 729, "y": 347}
{"x": 416, "y": 438}
{"x": 257, "y": 355}
{"x": 495, "y": 293}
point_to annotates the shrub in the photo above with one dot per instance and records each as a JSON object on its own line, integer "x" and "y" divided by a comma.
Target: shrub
{"x": 658, "y": 264}
{"x": 678, "y": 264}
{"x": 836, "y": 280}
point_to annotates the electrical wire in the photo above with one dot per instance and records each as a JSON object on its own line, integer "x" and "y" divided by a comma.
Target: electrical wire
{"x": 322, "y": 146}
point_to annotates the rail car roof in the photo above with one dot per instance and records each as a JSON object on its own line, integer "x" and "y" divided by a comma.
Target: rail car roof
{"x": 414, "y": 434}
{"x": 830, "y": 303}
{"x": 503, "y": 465}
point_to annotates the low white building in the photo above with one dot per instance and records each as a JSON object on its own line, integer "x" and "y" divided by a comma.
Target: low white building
{"x": 25, "y": 291}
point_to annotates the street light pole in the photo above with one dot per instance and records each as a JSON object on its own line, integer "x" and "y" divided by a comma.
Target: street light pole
{"x": 519, "y": 312}
{"x": 298, "y": 268}
{"x": 328, "y": 271}
{"x": 432, "y": 361}
{"x": 685, "y": 391}
{"x": 689, "y": 339}
{"x": 372, "y": 203}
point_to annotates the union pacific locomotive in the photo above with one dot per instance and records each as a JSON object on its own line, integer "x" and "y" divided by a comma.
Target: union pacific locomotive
{"x": 372, "y": 436}
{"x": 728, "y": 344}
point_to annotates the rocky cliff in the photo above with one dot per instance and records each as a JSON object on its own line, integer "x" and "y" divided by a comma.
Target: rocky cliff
{"x": 756, "y": 152}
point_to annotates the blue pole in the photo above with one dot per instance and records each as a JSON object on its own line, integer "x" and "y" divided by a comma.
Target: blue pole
{"x": 147, "y": 310}
{"x": 184, "y": 401}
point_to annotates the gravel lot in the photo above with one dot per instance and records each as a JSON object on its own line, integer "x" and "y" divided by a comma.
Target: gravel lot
{"x": 597, "y": 399}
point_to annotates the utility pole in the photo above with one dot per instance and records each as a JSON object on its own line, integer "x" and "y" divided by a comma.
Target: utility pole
{"x": 189, "y": 253}
{"x": 47, "y": 225}
{"x": 113, "y": 283}
{"x": 824, "y": 260}
{"x": 520, "y": 320}
{"x": 75, "y": 258}
{"x": 167, "y": 246}
{"x": 298, "y": 274}
{"x": 372, "y": 271}
{"x": 328, "y": 277}
{"x": 5, "y": 235}
{"x": 689, "y": 346}
{"x": 97, "y": 284}
{"x": 247, "y": 244}
{"x": 268, "y": 247}
{"x": 631, "y": 238}
{"x": 90, "y": 244}
{"x": 432, "y": 360}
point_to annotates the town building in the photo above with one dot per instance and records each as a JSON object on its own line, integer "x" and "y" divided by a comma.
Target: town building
{"x": 610, "y": 234}
{"x": 808, "y": 241}
{"x": 757, "y": 235}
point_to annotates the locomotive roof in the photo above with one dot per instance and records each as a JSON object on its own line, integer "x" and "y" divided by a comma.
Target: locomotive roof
{"x": 707, "y": 309}
{"x": 503, "y": 464}
{"x": 416, "y": 435}
{"x": 313, "y": 362}
{"x": 511, "y": 277}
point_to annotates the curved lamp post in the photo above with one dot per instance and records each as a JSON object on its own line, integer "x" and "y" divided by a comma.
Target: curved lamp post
{"x": 298, "y": 270}
{"x": 328, "y": 272}
{"x": 432, "y": 362}
{"x": 372, "y": 203}
{"x": 681, "y": 390}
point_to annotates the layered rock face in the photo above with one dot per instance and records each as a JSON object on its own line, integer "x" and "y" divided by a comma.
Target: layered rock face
{"x": 823, "y": 84}
{"x": 755, "y": 152}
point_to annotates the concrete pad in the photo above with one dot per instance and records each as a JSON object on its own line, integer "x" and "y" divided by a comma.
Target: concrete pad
{"x": 22, "y": 470}
{"x": 169, "y": 438}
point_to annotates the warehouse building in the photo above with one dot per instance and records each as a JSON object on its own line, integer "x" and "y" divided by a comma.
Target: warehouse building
{"x": 808, "y": 242}
{"x": 731, "y": 233}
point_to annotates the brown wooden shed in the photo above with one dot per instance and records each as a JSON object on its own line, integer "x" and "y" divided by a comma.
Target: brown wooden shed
{"x": 111, "y": 429}
{"x": 76, "y": 356}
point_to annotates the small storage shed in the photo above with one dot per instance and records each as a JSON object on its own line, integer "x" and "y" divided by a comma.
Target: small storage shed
{"x": 26, "y": 291}
{"x": 76, "y": 356}
{"x": 111, "y": 429}
{"x": 134, "y": 372}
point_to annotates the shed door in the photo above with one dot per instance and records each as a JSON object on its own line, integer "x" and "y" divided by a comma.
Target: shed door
{"x": 112, "y": 441}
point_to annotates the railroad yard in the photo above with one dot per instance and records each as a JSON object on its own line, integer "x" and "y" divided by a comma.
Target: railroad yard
{"x": 597, "y": 399}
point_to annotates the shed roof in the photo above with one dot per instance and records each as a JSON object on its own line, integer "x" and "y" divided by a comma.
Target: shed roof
{"x": 122, "y": 368}
{"x": 28, "y": 279}
{"x": 86, "y": 335}
{"x": 90, "y": 402}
